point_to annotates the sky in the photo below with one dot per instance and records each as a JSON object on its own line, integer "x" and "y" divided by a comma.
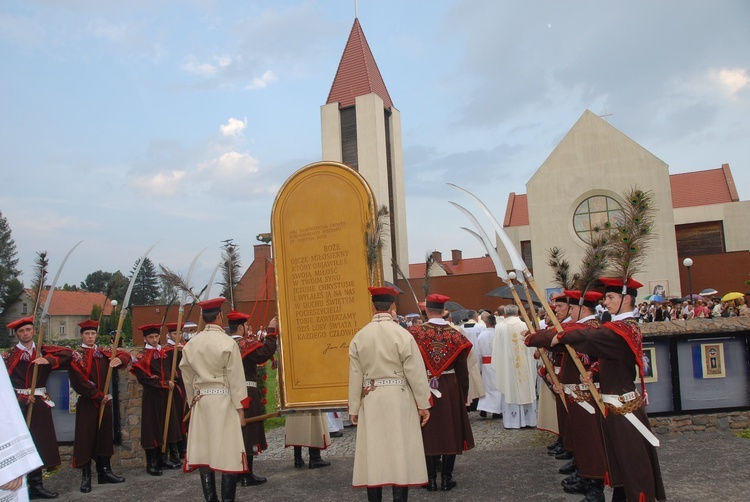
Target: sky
{"x": 127, "y": 123}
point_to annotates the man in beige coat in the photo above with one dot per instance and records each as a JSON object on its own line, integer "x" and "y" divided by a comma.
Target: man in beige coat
{"x": 389, "y": 397}
{"x": 215, "y": 383}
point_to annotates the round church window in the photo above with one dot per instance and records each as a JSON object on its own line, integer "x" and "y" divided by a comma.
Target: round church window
{"x": 596, "y": 213}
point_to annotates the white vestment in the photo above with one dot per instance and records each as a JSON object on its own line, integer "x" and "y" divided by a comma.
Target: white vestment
{"x": 516, "y": 374}
{"x": 18, "y": 455}
{"x": 492, "y": 401}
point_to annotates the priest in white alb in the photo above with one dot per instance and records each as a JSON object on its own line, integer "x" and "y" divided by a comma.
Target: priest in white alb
{"x": 516, "y": 371}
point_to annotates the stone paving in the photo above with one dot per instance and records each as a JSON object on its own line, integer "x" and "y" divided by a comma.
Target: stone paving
{"x": 506, "y": 465}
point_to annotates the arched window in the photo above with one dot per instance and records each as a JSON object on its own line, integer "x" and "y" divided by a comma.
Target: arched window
{"x": 595, "y": 213}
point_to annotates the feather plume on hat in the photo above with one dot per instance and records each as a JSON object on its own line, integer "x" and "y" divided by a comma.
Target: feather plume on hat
{"x": 561, "y": 268}
{"x": 40, "y": 276}
{"x": 631, "y": 236}
{"x": 595, "y": 259}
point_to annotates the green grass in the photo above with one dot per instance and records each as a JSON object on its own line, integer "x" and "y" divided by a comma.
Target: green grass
{"x": 744, "y": 434}
{"x": 271, "y": 397}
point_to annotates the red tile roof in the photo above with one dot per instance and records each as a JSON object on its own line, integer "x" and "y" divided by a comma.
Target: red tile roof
{"x": 697, "y": 188}
{"x": 702, "y": 188}
{"x": 465, "y": 266}
{"x": 74, "y": 302}
{"x": 358, "y": 73}
{"x": 517, "y": 212}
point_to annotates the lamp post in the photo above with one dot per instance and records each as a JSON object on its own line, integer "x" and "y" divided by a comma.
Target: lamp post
{"x": 688, "y": 262}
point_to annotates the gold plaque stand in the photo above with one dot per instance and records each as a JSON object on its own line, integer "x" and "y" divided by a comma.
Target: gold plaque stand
{"x": 319, "y": 220}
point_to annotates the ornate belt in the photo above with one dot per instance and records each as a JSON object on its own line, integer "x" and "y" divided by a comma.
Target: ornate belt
{"x": 39, "y": 391}
{"x": 378, "y": 382}
{"x": 204, "y": 392}
{"x": 251, "y": 384}
{"x": 625, "y": 405}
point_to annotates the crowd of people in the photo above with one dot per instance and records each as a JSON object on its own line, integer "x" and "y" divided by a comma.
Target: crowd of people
{"x": 698, "y": 309}
{"x": 411, "y": 389}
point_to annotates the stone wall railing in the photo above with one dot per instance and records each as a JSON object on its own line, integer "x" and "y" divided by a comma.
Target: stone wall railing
{"x": 696, "y": 326}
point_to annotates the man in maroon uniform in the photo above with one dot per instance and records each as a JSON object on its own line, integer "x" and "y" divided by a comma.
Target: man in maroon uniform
{"x": 632, "y": 463}
{"x": 88, "y": 373}
{"x": 179, "y": 401}
{"x": 254, "y": 352}
{"x": 152, "y": 372}
{"x": 20, "y": 361}
{"x": 583, "y": 415}
{"x": 448, "y": 433}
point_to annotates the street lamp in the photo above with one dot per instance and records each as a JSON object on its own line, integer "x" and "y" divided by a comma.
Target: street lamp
{"x": 688, "y": 262}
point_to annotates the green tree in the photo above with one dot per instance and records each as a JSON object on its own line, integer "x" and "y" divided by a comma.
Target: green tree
{"x": 69, "y": 287}
{"x": 146, "y": 285}
{"x": 96, "y": 282}
{"x": 9, "y": 271}
{"x": 112, "y": 284}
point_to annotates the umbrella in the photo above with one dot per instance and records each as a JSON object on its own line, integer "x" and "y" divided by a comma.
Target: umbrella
{"x": 391, "y": 285}
{"x": 504, "y": 292}
{"x": 709, "y": 292}
{"x": 692, "y": 297}
{"x": 654, "y": 298}
{"x": 452, "y": 306}
{"x": 731, "y": 296}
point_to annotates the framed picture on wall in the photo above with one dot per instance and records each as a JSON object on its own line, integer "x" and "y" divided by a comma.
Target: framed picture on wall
{"x": 650, "y": 371}
{"x": 712, "y": 359}
{"x": 550, "y": 292}
{"x": 659, "y": 287}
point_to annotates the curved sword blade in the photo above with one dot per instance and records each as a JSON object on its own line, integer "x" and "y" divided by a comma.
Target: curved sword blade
{"x": 485, "y": 240}
{"x": 211, "y": 282}
{"x": 54, "y": 283}
{"x": 125, "y": 302}
{"x": 515, "y": 256}
{"x": 183, "y": 299}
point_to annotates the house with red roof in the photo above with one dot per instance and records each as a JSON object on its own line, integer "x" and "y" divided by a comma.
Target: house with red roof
{"x": 66, "y": 310}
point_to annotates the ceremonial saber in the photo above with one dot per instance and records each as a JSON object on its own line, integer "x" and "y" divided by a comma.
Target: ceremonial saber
{"x": 180, "y": 312}
{"x": 503, "y": 274}
{"x": 519, "y": 264}
{"x": 40, "y": 337}
{"x": 123, "y": 314}
{"x": 206, "y": 295}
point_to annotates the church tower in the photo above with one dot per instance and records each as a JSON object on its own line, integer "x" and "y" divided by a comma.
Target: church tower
{"x": 362, "y": 129}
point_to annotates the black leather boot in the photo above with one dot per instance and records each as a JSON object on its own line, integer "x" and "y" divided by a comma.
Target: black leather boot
{"x": 208, "y": 484}
{"x": 568, "y": 468}
{"x": 431, "y": 485}
{"x": 228, "y": 487}
{"x": 618, "y": 494}
{"x": 581, "y": 487}
{"x": 104, "y": 472}
{"x": 36, "y": 489}
{"x": 250, "y": 479}
{"x": 572, "y": 479}
{"x": 174, "y": 455}
{"x": 298, "y": 462}
{"x": 596, "y": 491}
{"x": 152, "y": 462}
{"x": 165, "y": 462}
{"x": 375, "y": 494}
{"x": 400, "y": 493}
{"x": 315, "y": 460}
{"x": 552, "y": 446}
{"x": 86, "y": 478}
{"x": 446, "y": 479}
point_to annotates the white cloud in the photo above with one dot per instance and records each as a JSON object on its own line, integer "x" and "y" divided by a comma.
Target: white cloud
{"x": 206, "y": 69}
{"x": 262, "y": 81}
{"x": 731, "y": 80}
{"x": 233, "y": 127}
{"x": 231, "y": 165}
{"x": 163, "y": 183}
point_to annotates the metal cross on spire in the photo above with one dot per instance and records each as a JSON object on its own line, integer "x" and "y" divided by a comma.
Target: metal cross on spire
{"x": 605, "y": 115}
